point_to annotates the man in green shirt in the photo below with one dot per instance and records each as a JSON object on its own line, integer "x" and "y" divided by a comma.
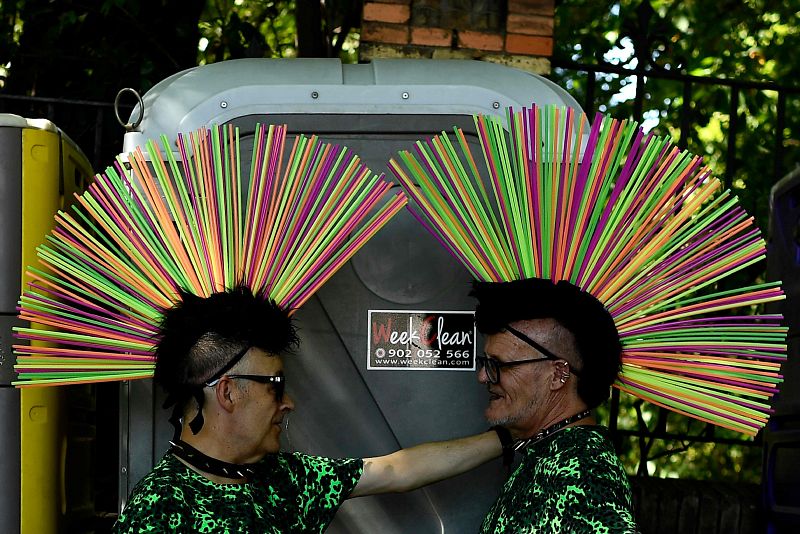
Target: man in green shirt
{"x": 552, "y": 354}
{"x": 219, "y": 359}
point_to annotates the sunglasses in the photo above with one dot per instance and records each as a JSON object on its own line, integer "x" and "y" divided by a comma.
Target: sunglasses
{"x": 493, "y": 367}
{"x": 278, "y": 382}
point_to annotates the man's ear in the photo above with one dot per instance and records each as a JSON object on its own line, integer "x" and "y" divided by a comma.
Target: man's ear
{"x": 560, "y": 375}
{"x": 226, "y": 394}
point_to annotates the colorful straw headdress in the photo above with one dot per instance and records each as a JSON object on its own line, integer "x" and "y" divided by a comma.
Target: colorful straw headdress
{"x": 632, "y": 220}
{"x": 143, "y": 231}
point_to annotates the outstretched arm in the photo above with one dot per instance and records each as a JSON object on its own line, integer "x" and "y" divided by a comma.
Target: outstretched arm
{"x": 410, "y": 468}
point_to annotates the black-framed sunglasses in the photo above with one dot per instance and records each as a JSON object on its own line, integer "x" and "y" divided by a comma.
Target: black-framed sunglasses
{"x": 493, "y": 366}
{"x": 278, "y": 382}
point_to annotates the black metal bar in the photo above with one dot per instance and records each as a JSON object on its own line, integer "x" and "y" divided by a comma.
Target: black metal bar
{"x": 613, "y": 415}
{"x": 98, "y": 138}
{"x": 672, "y": 75}
{"x": 733, "y": 124}
{"x": 686, "y": 115}
{"x": 780, "y": 124}
{"x": 687, "y": 437}
{"x": 591, "y": 84}
{"x": 56, "y": 100}
{"x": 638, "y": 100}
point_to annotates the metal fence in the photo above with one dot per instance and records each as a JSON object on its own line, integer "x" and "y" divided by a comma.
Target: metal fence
{"x": 687, "y": 82}
{"x": 92, "y": 125}
{"x": 645, "y": 435}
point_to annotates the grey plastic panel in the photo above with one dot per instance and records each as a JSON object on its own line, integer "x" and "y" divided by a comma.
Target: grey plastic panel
{"x": 783, "y": 263}
{"x": 10, "y": 260}
{"x": 9, "y": 452}
{"x": 7, "y": 322}
{"x": 222, "y": 92}
{"x": 10, "y": 217}
{"x": 782, "y": 434}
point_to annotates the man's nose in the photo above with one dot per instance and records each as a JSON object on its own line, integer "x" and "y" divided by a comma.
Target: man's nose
{"x": 483, "y": 378}
{"x": 288, "y": 403}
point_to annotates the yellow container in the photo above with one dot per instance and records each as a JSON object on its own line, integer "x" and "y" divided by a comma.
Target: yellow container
{"x": 53, "y": 168}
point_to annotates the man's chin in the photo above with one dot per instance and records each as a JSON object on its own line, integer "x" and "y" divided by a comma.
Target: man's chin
{"x": 495, "y": 419}
{"x": 272, "y": 446}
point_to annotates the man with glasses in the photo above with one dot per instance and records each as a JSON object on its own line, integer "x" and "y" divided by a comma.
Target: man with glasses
{"x": 219, "y": 359}
{"x": 552, "y": 354}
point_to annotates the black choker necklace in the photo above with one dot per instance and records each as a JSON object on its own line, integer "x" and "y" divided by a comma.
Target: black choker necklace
{"x": 525, "y": 443}
{"x": 206, "y": 463}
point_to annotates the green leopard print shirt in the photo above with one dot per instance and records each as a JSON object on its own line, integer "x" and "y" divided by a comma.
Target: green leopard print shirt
{"x": 569, "y": 482}
{"x": 290, "y": 493}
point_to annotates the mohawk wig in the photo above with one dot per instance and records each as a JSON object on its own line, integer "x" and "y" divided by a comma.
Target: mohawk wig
{"x": 236, "y": 318}
{"x": 627, "y": 218}
{"x": 161, "y": 239}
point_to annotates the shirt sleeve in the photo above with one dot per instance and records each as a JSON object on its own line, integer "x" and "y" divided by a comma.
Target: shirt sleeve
{"x": 323, "y": 485}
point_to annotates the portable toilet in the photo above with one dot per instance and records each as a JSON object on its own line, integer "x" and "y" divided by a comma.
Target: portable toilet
{"x": 345, "y": 405}
{"x": 40, "y": 170}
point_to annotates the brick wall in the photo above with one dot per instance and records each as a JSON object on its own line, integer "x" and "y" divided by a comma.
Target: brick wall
{"x": 518, "y": 33}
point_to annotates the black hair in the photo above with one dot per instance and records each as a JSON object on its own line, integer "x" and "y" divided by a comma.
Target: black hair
{"x": 585, "y": 317}
{"x": 199, "y": 336}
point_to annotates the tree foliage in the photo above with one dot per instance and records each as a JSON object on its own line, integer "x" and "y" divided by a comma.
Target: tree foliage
{"x": 89, "y": 50}
{"x": 249, "y": 29}
{"x": 752, "y": 40}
